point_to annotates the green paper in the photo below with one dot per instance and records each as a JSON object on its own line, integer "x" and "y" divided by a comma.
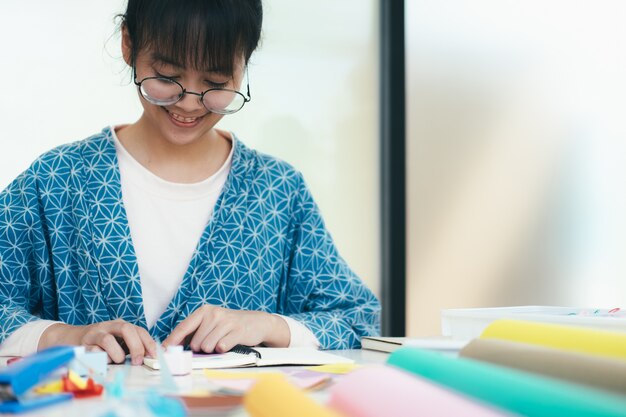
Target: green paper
{"x": 516, "y": 391}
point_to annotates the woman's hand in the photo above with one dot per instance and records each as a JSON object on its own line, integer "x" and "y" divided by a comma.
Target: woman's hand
{"x": 217, "y": 329}
{"x": 115, "y": 337}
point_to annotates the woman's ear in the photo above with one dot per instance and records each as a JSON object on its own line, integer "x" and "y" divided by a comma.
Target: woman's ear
{"x": 126, "y": 46}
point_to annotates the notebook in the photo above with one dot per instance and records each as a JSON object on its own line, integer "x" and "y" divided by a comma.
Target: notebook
{"x": 268, "y": 357}
{"x": 390, "y": 344}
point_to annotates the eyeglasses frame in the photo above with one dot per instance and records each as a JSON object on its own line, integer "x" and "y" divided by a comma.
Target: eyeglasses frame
{"x": 201, "y": 95}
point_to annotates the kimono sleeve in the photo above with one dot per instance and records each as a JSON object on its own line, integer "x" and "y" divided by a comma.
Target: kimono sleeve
{"x": 23, "y": 254}
{"x": 323, "y": 292}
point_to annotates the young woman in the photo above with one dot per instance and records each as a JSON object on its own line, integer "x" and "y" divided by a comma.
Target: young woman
{"x": 169, "y": 229}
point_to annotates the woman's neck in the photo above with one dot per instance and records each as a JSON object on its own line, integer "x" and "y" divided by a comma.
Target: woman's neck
{"x": 189, "y": 163}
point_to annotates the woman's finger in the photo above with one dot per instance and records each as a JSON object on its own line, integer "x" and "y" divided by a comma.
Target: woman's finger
{"x": 185, "y": 328}
{"x": 148, "y": 342}
{"x": 128, "y": 332}
{"x": 109, "y": 344}
{"x": 95, "y": 348}
{"x": 206, "y": 327}
{"x": 229, "y": 341}
{"x": 209, "y": 342}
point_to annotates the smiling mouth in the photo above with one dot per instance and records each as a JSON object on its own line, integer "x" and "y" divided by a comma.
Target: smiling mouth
{"x": 181, "y": 119}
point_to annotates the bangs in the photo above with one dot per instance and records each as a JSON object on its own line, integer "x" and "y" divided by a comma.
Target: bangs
{"x": 197, "y": 34}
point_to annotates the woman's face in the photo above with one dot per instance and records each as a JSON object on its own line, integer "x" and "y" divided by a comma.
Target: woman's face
{"x": 187, "y": 120}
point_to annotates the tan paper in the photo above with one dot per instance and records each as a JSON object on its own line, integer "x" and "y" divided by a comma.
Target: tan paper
{"x": 595, "y": 371}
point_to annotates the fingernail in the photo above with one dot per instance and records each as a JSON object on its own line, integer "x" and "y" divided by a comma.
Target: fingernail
{"x": 137, "y": 360}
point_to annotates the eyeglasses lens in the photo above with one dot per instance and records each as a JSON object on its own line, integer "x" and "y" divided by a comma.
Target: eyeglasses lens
{"x": 161, "y": 91}
{"x": 223, "y": 101}
{"x": 164, "y": 92}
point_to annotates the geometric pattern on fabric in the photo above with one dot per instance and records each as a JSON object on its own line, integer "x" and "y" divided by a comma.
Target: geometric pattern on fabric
{"x": 66, "y": 252}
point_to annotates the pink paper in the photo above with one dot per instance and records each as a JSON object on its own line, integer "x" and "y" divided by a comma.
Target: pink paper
{"x": 301, "y": 381}
{"x": 385, "y": 391}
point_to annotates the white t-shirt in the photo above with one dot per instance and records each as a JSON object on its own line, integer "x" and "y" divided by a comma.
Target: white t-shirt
{"x": 166, "y": 221}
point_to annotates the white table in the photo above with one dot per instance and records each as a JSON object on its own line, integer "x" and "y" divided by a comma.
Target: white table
{"x": 140, "y": 378}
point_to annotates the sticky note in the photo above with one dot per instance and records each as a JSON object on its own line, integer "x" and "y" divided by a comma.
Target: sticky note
{"x": 212, "y": 374}
{"x": 243, "y": 381}
{"x": 337, "y": 368}
{"x": 275, "y": 397}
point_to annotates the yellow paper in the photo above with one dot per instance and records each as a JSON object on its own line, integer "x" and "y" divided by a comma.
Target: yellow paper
{"x": 275, "y": 397}
{"x": 338, "y": 368}
{"x": 50, "y": 388}
{"x": 77, "y": 380}
{"x": 577, "y": 339}
{"x": 238, "y": 375}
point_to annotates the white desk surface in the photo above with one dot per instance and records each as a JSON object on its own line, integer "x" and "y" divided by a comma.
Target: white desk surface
{"x": 141, "y": 378}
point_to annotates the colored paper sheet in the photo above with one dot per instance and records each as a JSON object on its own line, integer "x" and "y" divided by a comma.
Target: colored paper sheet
{"x": 79, "y": 382}
{"x": 387, "y": 391}
{"x": 54, "y": 387}
{"x": 216, "y": 374}
{"x": 337, "y": 368}
{"x": 275, "y": 397}
{"x": 577, "y": 339}
{"x": 241, "y": 382}
{"x": 595, "y": 371}
{"x": 516, "y": 391}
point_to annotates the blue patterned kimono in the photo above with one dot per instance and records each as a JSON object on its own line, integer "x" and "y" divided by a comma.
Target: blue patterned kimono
{"x": 66, "y": 251}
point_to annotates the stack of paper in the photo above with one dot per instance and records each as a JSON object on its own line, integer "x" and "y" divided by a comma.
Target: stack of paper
{"x": 519, "y": 392}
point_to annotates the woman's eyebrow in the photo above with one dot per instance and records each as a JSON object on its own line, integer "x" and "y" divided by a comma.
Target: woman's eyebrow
{"x": 157, "y": 57}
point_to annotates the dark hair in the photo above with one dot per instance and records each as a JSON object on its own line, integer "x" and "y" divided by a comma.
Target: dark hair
{"x": 199, "y": 34}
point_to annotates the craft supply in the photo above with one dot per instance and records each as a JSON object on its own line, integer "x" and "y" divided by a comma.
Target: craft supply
{"x": 275, "y": 397}
{"x": 89, "y": 363}
{"x": 516, "y": 391}
{"x": 20, "y": 377}
{"x": 577, "y": 339}
{"x": 54, "y": 387}
{"x": 380, "y": 390}
{"x": 178, "y": 360}
{"x": 167, "y": 380}
{"x": 241, "y": 382}
{"x": 595, "y": 371}
{"x": 79, "y": 387}
{"x": 338, "y": 368}
{"x": 213, "y": 374}
{"x": 163, "y": 406}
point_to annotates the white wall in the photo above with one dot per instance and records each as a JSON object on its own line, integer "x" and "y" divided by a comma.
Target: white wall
{"x": 517, "y": 155}
{"x": 314, "y": 85}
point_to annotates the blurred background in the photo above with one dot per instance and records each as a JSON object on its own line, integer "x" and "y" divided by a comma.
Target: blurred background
{"x": 516, "y": 140}
{"x": 516, "y": 155}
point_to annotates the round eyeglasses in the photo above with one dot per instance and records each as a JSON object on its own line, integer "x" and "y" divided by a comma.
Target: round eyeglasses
{"x": 163, "y": 91}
